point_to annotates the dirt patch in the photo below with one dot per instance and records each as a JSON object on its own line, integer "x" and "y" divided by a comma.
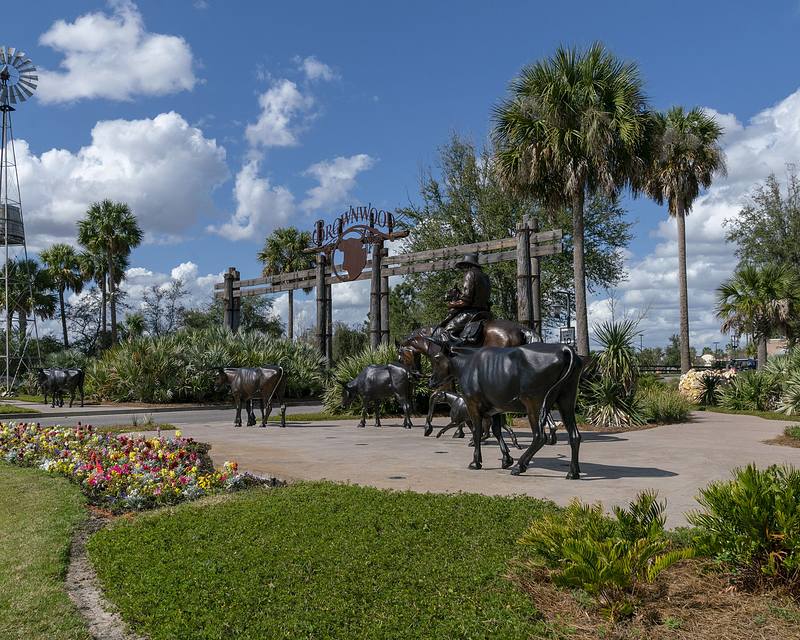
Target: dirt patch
{"x": 522, "y": 423}
{"x": 690, "y": 601}
{"x": 784, "y": 441}
{"x": 83, "y": 588}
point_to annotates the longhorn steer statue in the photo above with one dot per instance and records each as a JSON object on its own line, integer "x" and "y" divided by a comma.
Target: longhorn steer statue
{"x": 56, "y": 381}
{"x": 531, "y": 378}
{"x": 378, "y": 382}
{"x": 254, "y": 383}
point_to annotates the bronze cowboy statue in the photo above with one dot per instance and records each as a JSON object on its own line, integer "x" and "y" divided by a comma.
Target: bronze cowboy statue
{"x": 469, "y": 306}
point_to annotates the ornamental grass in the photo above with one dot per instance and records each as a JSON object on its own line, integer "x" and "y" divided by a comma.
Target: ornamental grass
{"x": 120, "y": 472}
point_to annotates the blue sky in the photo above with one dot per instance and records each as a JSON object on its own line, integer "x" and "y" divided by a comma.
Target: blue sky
{"x": 240, "y": 116}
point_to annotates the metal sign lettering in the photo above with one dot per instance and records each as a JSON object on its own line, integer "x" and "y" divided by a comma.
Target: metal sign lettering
{"x": 367, "y": 216}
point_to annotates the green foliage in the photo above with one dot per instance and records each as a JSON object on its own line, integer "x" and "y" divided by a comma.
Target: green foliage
{"x": 605, "y": 557}
{"x": 38, "y": 516}
{"x": 467, "y": 203}
{"x": 348, "y": 368}
{"x": 750, "y": 391}
{"x": 608, "y": 393}
{"x": 321, "y": 560}
{"x": 347, "y": 340}
{"x": 605, "y": 403}
{"x": 710, "y": 389}
{"x": 649, "y": 381}
{"x": 792, "y": 432}
{"x": 753, "y": 522}
{"x": 181, "y": 367}
{"x": 663, "y": 405}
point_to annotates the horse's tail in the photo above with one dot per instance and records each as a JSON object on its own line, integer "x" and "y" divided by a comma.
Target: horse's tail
{"x": 545, "y": 408}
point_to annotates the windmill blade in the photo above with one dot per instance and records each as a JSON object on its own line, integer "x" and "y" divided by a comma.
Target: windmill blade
{"x": 10, "y": 54}
{"x": 28, "y": 93}
{"x": 30, "y": 84}
{"x": 3, "y": 54}
{"x": 4, "y": 96}
{"x": 11, "y": 96}
{"x": 30, "y": 77}
{"x": 27, "y": 66}
{"x": 21, "y": 97}
{"x": 19, "y": 58}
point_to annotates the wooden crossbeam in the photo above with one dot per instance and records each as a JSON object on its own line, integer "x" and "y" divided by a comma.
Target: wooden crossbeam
{"x": 544, "y": 243}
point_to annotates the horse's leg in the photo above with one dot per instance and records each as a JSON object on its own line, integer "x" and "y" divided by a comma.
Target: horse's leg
{"x": 251, "y": 414}
{"x": 406, "y": 408}
{"x": 283, "y": 413}
{"x": 512, "y": 435}
{"x": 71, "y": 397}
{"x": 429, "y": 418}
{"x": 486, "y": 430}
{"x": 460, "y": 431}
{"x": 532, "y": 407}
{"x": 476, "y": 420}
{"x": 497, "y": 431}
{"x": 237, "y": 421}
{"x": 81, "y": 394}
{"x": 566, "y": 406}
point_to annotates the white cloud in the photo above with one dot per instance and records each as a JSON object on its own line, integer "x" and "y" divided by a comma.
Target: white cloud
{"x": 336, "y": 178}
{"x": 114, "y": 57}
{"x": 276, "y": 126}
{"x": 139, "y": 280}
{"x": 162, "y": 167}
{"x": 764, "y": 145}
{"x": 314, "y": 69}
{"x": 260, "y": 207}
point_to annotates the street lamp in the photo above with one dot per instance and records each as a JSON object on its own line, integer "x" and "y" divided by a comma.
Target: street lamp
{"x": 567, "y": 334}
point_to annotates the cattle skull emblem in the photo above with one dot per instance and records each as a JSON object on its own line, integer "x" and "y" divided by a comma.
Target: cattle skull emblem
{"x": 354, "y": 251}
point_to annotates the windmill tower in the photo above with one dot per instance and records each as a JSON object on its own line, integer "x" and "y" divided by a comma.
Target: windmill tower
{"x": 18, "y": 81}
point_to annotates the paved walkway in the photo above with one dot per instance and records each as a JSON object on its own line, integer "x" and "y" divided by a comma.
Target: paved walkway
{"x": 676, "y": 460}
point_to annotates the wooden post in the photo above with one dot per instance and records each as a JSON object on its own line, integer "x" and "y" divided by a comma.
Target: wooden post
{"x": 536, "y": 281}
{"x": 385, "y": 305}
{"x": 524, "y": 301}
{"x": 375, "y": 291}
{"x": 233, "y": 304}
{"x": 320, "y": 287}
{"x": 329, "y": 324}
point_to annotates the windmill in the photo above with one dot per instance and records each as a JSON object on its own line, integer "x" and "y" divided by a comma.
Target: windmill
{"x": 18, "y": 81}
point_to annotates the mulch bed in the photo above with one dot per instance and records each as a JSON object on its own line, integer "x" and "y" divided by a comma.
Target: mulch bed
{"x": 784, "y": 441}
{"x": 690, "y": 601}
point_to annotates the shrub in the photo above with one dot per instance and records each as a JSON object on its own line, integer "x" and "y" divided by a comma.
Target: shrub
{"x": 348, "y": 368}
{"x": 663, "y": 405}
{"x": 605, "y": 404}
{"x": 650, "y": 381}
{"x": 750, "y": 391}
{"x": 789, "y": 402}
{"x": 180, "y": 367}
{"x": 752, "y": 523}
{"x": 605, "y": 557}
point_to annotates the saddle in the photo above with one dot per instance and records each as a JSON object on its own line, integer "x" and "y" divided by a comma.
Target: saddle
{"x": 472, "y": 333}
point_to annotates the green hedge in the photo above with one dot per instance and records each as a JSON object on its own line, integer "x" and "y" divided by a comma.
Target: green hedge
{"x": 181, "y": 367}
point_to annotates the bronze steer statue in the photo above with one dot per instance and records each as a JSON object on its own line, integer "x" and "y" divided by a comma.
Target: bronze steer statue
{"x": 254, "y": 383}
{"x": 378, "y": 382}
{"x": 459, "y": 418}
{"x": 55, "y": 382}
{"x": 528, "y": 379}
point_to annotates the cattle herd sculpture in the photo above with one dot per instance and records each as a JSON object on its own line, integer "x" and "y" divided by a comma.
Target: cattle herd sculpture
{"x": 482, "y": 369}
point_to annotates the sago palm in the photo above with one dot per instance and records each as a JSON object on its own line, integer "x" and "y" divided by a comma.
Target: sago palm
{"x": 110, "y": 228}
{"x": 574, "y": 125}
{"x": 758, "y": 301}
{"x": 283, "y": 252}
{"x": 64, "y": 266}
{"x": 687, "y": 157}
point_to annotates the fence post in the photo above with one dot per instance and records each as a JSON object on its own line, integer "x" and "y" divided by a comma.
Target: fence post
{"x": 524, "y": 302}
{"x": 385, "y": 304}
{"x": 233, "y": 303}
{"x": 375, "y": 290}
{"x": 329, "y": 324}
{"x": 536, "y": 280}
{"x": 320, "y": 287}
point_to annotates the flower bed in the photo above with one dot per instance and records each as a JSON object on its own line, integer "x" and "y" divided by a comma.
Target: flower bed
{"x": 120, "y": 472}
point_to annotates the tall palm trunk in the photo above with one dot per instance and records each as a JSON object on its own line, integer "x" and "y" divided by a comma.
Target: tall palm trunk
{"x": 112, "y": 291}
{"x": 683, "y": 293}
{"x": 290, "y": 320}
{"x": 761, "y": 352}
{"x": 103, "y": 303}
{"x": 22, "y": 319}
{"x": 579, "y": 272}
{"x": 63, "y": 316}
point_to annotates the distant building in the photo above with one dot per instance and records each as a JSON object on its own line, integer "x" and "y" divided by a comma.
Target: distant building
{"x": 777, "y": 346}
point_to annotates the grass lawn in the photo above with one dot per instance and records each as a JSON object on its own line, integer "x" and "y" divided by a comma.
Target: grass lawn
{"x": 10, "y": 408}
{"x": 319, "y": 416}
{"x": 135, "y": 428}
{"x": 38, "y": 514}
{"x": 319, "y": 560}
{"x": 767, "y": 415}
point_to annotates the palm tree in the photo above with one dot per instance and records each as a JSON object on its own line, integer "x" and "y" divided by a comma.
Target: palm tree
{"x": 93, "y": 268}
{"x": 110, "y": 228}
{"x": 575, "y": 125}
{"x": 757, "y": 301}
{"x": 284, "y": 251}
{"x": 64, "y": 266}
{"x": 30, "y": 291}
{"x": 686, "y": 157}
